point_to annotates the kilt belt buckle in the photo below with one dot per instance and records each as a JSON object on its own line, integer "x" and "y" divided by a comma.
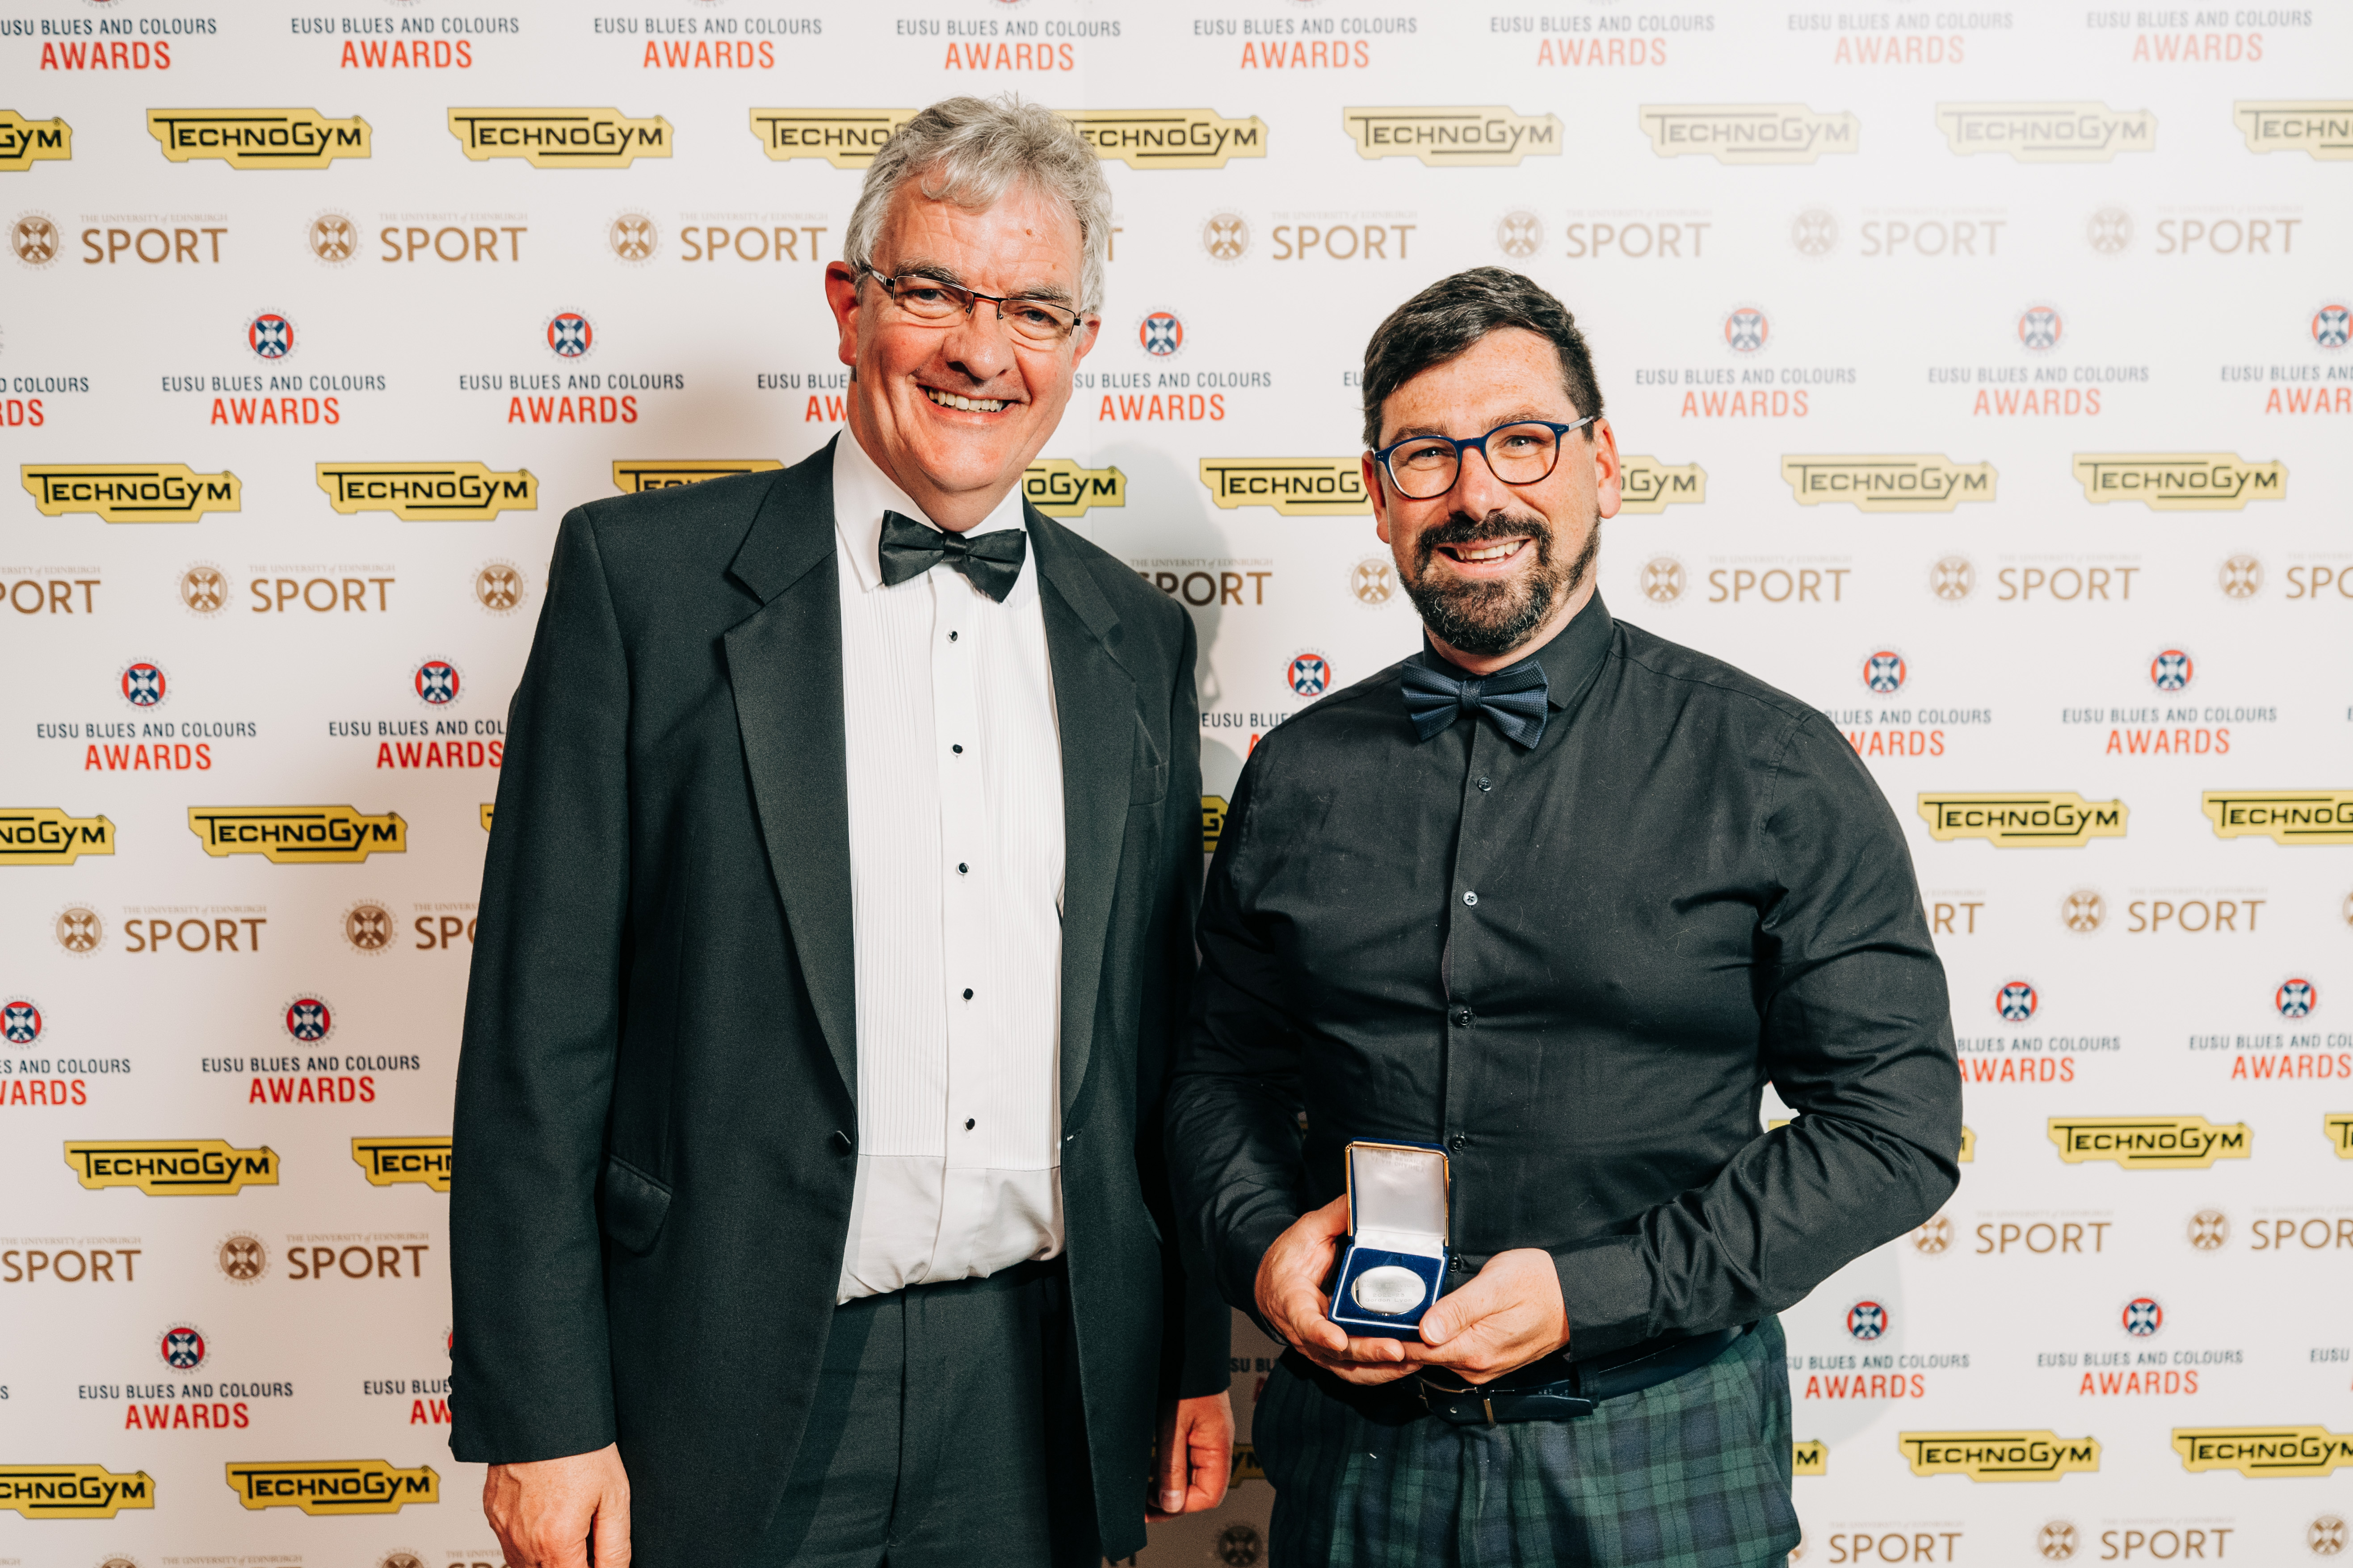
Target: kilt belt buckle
{"x": 1582, "y": 1391}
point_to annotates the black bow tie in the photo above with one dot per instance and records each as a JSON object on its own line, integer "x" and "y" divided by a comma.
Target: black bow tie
{"x": 1513, "y": 699}
{"x": 991, "y": 563}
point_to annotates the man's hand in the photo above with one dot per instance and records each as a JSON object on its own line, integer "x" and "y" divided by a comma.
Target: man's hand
{"x": 1509, "y": 1314}
{"x": 1290, "y": 1296}
{"x": 1196, "y": 1458}
{"x": 556, "y": 1513}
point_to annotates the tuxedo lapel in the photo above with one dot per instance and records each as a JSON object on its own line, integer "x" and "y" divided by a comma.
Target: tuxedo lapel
{"x": 785, "y": 664}
{"x": 1094, "y": 708}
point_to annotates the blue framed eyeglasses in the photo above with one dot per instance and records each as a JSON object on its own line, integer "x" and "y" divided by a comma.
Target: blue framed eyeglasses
{"x": 1524, "y": 452}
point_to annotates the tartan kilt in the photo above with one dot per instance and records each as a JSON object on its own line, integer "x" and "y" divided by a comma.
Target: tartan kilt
{"x": 1692, "y": 1473}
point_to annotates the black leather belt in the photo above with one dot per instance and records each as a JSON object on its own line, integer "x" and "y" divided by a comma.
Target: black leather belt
{"x": 1553, "y": 1390}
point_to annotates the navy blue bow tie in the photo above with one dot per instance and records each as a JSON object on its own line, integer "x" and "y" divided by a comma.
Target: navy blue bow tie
{"x": 1512, "y": 698}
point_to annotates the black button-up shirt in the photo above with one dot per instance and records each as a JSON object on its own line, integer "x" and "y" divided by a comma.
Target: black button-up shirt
{"x": 1575, "y": 967}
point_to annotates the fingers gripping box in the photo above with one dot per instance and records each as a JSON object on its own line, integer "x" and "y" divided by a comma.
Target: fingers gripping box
{"x": 1396, "y": 1243}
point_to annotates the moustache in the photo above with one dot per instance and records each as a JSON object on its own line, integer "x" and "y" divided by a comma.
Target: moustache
{"x": 1461, "y": 528}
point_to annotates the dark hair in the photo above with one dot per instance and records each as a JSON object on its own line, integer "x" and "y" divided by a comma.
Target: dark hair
{"x": 1452, "y": 315}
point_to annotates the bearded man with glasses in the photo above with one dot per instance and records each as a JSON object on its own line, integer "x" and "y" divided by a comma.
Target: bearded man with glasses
{"x": 1556, "y": 898}
{"x": 835, "y": 933}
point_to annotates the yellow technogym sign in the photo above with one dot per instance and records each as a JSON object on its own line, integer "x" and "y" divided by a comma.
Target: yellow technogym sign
{"x": 1646, "y": 485}
{"x": 258, "y": 138}
{"x": 560, "y": 138}
{"x": 2023, "y": 819}
{"x": 1900, "y": 483}
{"x": 173, "y": 1167}
{"x": 2150, "y": 1142}
{"x": 330, "y": 1487}
{"x": 2179, "y": 482}
{"x": 428, "y": 492}
{"x": 73, "y": 1491}
{"x": 1295, "y": 486}
{"x": 389, "y": 1162}
{"x": 2068, "y": 133}
{"x": 44, "y": 835}
{"x": 634, "y": 478}
{"x": 2262, "y": 1453}
{"x": 1060, "y": 488}
{"x": 1480, "y": 137}
{"x": 24, "y": 142}
{"x": 1999, "y": 1455}
{"x": 298, "y": 835}
{"x": 1745, "y": 133}
{"x": 2281, "y": 815}
{"x": 130, "y": 492}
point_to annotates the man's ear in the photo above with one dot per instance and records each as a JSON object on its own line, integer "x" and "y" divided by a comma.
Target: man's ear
{"x": 1372, "y": 471}
{"x": 1608, "y": 468}
{"x": 841, "y": 295}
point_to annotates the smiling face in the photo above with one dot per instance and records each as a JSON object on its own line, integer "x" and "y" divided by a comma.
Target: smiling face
{"x": 954, "y": 411}
{"x": 1496, "y": 569}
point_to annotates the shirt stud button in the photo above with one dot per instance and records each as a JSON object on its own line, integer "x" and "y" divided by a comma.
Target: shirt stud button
{"x": 962, "y": 869}
{"x": 1458, "y": 1140}
{"x": 1462, "y": 1017}
{"x": 1486, "y": 783}
{"x": 967, "y": 993}
{"x": 967, "y": 1123}
{"x": 1469, "y": 897}
{"x": 957, "y": 749}
{"x": 951, "y": 636}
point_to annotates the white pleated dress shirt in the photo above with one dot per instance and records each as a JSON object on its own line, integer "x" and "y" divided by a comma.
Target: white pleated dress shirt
{"x": 956, "y": 875}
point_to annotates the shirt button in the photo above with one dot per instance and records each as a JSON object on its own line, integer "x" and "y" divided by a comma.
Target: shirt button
{"x": 1485, "y": 782}
{"x": 967, "y": 993}
{"x": 957, "y": 749}
{"x": 951, "y": 636}
{"x": 1469, "y": 897}
{"x": 1458, "y": 1140}
{"x": 962, "y": 869}
{"x": 967, "y": 1123}
{"x": 1462, "y": 1017}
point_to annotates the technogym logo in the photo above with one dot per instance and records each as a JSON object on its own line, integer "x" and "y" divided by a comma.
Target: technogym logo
{"x": 1060, "y": 488}
{"x": 2281, "y": 815}
{"x": 389, "y": 1162}
{"x": 44, "y": 835}
{"x": 2150, "y": 1142}
{"x": 173, "y": 1167}
{"x": 1647, "y": 485}
{"x": 2321, "y": 127}
{"x": 428, "y": 492}
{"x": 2179, "y": 482}
{"x": 2052, "y": 819}
{"x": 130, "y": 492}
{"x": 1746, "y": 134}
{"x": 1167, "y": 138}
{"x": 561, "y": 138}
{"x": 663, "y": 474}
{"x": 2262, "y": 1453}
{"x": 1893, "y": 483}
{"x": 2078, "y": 132}
{"x": 73, "y": 1491}
{"x": 328, "y": 1487}
{"x": 24, "y": 142}
{"x": 1471, "y": 138}
{"x": 258, "y": 138}
{"x": 1999, "y": 1455}
{"x": 1140, "y": 138}
{"x": 298, "y": 835}
{"x": 1295, "y": 486}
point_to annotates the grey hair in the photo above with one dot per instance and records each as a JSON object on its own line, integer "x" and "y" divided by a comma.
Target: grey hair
{"x": 970, "y": 152}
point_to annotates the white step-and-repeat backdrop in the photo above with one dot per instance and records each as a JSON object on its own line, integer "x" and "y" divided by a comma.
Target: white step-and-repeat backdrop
{"x": 1986, "y": 376}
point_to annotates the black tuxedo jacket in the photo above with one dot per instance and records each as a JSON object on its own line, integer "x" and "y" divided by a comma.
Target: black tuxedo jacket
{"x": 656, "y": 1116}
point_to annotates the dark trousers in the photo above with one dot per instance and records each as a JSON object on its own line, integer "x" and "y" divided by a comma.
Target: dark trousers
{"x": 947, "y": 1433}
{"x": 1692, "y": 1473}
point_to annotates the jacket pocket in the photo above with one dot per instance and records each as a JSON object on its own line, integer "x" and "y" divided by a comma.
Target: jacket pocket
{"x": 631, "y": 1205}
{"x": 1148, "y": 780}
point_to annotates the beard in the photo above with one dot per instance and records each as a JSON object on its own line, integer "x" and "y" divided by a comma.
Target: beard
{"x": 1489, "y": 620}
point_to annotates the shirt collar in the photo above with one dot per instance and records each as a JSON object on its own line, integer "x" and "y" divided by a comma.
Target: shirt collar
{"x": 1570, "y": 661}
{"x": 863, "y": 492}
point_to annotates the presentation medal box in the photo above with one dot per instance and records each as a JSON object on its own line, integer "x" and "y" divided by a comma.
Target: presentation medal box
{"x": 1396, "y": 1243}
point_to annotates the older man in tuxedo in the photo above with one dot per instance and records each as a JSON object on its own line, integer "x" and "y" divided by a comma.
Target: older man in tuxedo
{"x": 835, "y": 921}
